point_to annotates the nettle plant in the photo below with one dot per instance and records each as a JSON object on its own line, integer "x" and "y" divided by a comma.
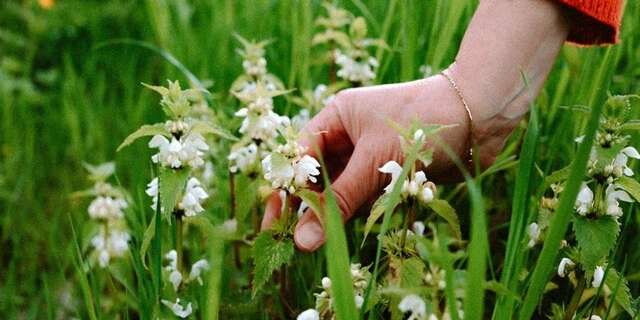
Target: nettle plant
{"x": 111, "y": 240}
{"x": 420, "y": 239}
{"x": 177, "y": 193}
{"x": 585, "y": 260}
{"x": 345, "y": 36}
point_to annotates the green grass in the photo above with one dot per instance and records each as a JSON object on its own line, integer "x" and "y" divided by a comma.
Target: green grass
{"x": 70, "y": 93}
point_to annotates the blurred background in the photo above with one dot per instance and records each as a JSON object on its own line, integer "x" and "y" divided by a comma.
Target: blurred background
{"x": 69, "y": 94}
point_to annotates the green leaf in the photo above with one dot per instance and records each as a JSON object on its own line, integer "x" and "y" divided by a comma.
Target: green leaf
{"x": 203, "y": 127}
{"x": 631, "y": 125}
{"x": 149, "y": 233}
{"x": 501, "y": 290}
{"x": 448, "y": 213}
{"x": 268, "y": 255}
{"x": 172, "y": 184}
{"x": 100, "y": 172}
{"x": 631, "y": 186}
{"x": 596, "y": 237}
{"x": 145, "y": 130}
{"x": 411, "y": 272}
{"x": 623, "y": 294}
{"x": 557, "y": 176}
{"x": 377, "y": 210}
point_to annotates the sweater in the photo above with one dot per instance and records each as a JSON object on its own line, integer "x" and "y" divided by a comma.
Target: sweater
{"x": 593, "y": 21}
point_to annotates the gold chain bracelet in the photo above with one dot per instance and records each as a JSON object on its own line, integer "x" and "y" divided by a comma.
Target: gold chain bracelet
{"x": 454, "y": 85}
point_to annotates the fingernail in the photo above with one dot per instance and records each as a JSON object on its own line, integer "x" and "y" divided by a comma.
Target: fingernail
{"x": 309, "y": 235}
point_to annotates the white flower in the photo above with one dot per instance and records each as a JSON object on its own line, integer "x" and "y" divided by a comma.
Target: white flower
{"x": 326, "y": 283}
{"x": 320, "y": 95}
{"x": 418, "y": 228}
{"x": 262, "y": 126}
{"x": 192, "y": 200}
{"x": 394, "y": 169}
{"x": 564, "y": 266}
{"x": 230, "y": 226}
{"x": 613, "y": 197}
{"x": 620, "y": 162}
{"x": 356, "y": 71}
{"x": 309, "y": 314}
{"x": 426, "y": 70}
{"x": 175, "y": 277}
{"x": 598, "y": 275}
{"x": 107, "y": 208}
{"x": 584, "y": 201}
{"x": 306, "y": 169}
{"x": 243, "y": 158}
{"x": 288, "y": 174}
{"x": 414, "y": 304}
{"x": 193, "y": 146}
{"x": 172, "y": 256}
{"x": 255, "y": 67}
{"x": 197, "y": 269}
{"x": 169, "y": 153}
{"x": 534, "y": 234}
{"x": 178, "y": 309}
{"x": 594, "y": 317}
{"x": 110, "y": 245}
{"x": 152, "y": 191}
{"x": 303, "y": 207}
{"x": 359, "y": 301}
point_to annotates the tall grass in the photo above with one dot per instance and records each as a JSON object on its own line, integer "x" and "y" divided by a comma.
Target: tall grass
{"x": 66, "y": 103}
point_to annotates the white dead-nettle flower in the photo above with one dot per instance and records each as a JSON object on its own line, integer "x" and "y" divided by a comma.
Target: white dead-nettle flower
{"x": 418, "y": 228}
{"x": 309, "y": 314}
{"x": 320, "y": 95}
{"x": 262, "y": 126}
{"x": 287, "y": 169}
{"x": 152, "y": 191}
{"x": 613, "y": 196}
{"x": 584, "y": 201}
{"x": 230, "y": 225}
{"x": 178, "y": 309}
{"x": 243, "y": 158}
{"x": 598, "y": 276}
{"x": 188, "y": 150}
{"x": 175, "y": 276}
{"x": 303, "y": 207}
{"x": 255, "y": 67}
{"x": 534, "y": 234}
{"x": 110, "y": 244}
{"x": 197, "y": 269}
{"x": 105, "y": 207}
{"x": 177, "y": 126}
{"x": 326, "y": 283}
{"x": 620, "y": 162}
{"x": 193, "y": 197}
{"x": 417, "y": 187}
{"x": 359, "y": 300}
{"x": 356, "y": 71}
{"x": 565, "y": 265}
{"x": 426, "y": 70}
{"x": 594, "y": 317}
{"x": 415, "y": 305}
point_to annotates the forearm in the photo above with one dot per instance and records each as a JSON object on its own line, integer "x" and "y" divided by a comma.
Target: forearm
{"x": 505, "y": 40}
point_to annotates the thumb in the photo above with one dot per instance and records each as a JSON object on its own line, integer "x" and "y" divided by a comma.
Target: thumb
{"x": 351, "y": 189}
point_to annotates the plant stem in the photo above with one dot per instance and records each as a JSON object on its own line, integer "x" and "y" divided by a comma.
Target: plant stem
{"x": 408, "y": 219}
{"x": 232, "y": 194}
{"x": 575, "y": 299}
{"x": 179, "y": 237}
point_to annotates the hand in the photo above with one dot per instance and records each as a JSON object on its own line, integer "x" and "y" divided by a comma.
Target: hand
{"x": 505, "y": 41}
{"x": 354, "y": 137}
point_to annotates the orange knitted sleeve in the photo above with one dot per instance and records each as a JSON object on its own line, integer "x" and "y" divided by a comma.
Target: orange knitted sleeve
{"x": 593, "y": 21}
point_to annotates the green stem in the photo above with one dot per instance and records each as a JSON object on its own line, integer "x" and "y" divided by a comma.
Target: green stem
{"x": 408, "y": 220}
{"x": 179, "y": 237}
{"x": 575, "y": 299}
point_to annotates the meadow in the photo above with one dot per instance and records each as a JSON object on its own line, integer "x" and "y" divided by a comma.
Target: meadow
{"x": 549, "y": 231}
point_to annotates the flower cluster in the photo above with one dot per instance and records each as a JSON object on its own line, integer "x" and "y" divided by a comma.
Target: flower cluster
{"x": 179, "y": 151}
{"x": 191, "y": 201}
{"x": 324, "y": 300}
{"x": 107, "y": 208}
{"x": 254, "y": 65}
{"x": 418, "y": 187}
{"x": 288, "y": 168}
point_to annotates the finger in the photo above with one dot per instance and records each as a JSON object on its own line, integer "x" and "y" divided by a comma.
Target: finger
{"x": 271, "y": 211}
{"x": 351, "y": 189}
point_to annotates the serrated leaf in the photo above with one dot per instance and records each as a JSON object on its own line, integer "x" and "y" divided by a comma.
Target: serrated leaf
{"x": 144, "y": 131}
{"x": 149, "y": 233}
{"x": 558, "y": 176}
{"x": 623, "y": 294}
{"x": 172, "y": 184}
{"x": 448, "y": 213}
{"x": 411, "y": 272}
{"x": 631, "y": 186}
{"x": 376, "y": 212}
{"x": 202, "y": 127}
{"x": 596, "y": 237}
{"x": 269, "y": 254}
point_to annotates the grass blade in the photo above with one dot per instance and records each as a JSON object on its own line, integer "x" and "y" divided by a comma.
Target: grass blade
{"x": 478, "y": 252}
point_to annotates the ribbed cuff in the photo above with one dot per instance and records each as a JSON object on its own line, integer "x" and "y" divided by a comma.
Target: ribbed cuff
{"x": 593, "y": 21}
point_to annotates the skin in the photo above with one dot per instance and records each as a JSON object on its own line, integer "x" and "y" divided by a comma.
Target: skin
{"x": 506, "y": 40}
